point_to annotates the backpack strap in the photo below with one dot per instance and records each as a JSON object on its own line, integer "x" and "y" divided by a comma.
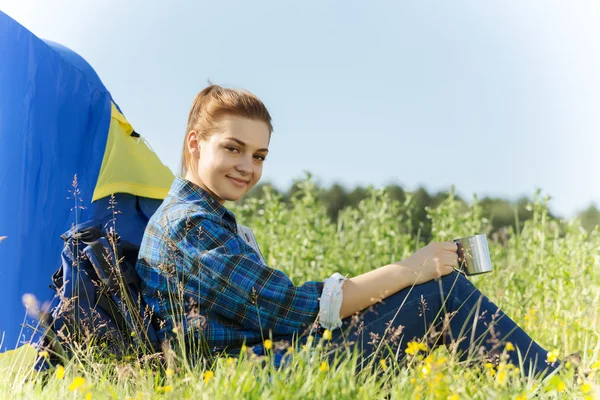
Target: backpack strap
{"x": 108, "y": 273}
{"x": 86, "y": 231}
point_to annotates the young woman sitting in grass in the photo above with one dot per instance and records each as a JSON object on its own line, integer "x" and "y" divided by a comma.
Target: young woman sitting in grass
{"x": 206, "y": 284}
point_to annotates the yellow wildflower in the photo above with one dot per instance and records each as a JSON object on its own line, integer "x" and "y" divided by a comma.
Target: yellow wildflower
{"x": 441, "y": 361}
{"x": 78, "y": 382}
{"x": 324, "y": 367}
{"x": 453, "y": 397}
{"x": 552, "y": 356}
{"x": 595, "y": 365}
{"x": 556, "y": 383}
{"x": 88, "y": 396}
{"x": 164, "y": 389}
{"x": 530, "y": 317}
{"x": 501, "y": 376}
{"x": 268, "y": 344}
{"x": 521, "y": 397}
{"x": 383, "y": 364}
{"x": 175, "y": 330}
{"x": 426, "y": 369}
{"x": 244, "y": 348}
{"x": 169, "y": 372}
{"x": 586, "y": 387}
{"x": 327, "y": 335}
{"x": 208, "y": 375}
{"x": 60, "y": 372}
{"x": 230, "y": 361}
{"x": 414, "y": 347}
{"x": 44, "y": 354}
{"x": 490, "y": 368}
{"x": 510, "y": 346}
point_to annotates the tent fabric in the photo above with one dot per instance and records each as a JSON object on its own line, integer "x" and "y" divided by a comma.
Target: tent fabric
{"x": 55, "y": 117}
{"x": 129, "y": 165}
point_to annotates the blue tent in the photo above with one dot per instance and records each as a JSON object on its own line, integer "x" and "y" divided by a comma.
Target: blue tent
{"x": 65, "y": 147}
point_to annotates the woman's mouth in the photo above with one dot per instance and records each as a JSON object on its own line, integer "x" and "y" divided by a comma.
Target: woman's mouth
{"x": 237, "y": 182}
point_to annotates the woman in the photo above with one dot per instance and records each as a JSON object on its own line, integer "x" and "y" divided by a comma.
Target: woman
{"x": 204, "y": 281}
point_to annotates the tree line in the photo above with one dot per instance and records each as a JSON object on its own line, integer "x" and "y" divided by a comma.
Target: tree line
{"x": 501, "y": 212}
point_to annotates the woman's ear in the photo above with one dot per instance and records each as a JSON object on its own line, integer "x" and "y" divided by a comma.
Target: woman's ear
{"x": 193, "y": 143}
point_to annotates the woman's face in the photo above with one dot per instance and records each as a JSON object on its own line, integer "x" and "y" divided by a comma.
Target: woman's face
{"x": 229, "y": 163}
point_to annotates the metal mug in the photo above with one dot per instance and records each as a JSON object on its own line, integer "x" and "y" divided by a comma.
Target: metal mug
{"x": 473, "y": 255}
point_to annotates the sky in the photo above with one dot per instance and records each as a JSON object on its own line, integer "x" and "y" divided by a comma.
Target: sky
{"x": 495, "y": 98}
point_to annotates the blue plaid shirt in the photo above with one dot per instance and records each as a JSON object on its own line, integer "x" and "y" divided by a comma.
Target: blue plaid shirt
{"x": 198, "y": 274}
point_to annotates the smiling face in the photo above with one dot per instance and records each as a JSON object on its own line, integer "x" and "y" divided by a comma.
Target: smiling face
{"x": 229, "y": 162}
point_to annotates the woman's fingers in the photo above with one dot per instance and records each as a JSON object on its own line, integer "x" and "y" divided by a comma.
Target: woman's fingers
{"x": 451, "y": 261}
{"x": 452, "y": 255}
{"x": 446, "y": 260}
{"x": 449, "y": 246}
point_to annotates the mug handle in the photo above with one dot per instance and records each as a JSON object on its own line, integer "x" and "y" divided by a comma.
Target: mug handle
{"x": 461, "y": 256}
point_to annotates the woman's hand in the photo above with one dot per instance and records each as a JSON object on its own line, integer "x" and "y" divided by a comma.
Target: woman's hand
{"x": 432, "y": 261}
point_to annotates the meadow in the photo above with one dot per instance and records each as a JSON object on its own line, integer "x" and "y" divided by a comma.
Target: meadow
{"x": 546, "y": 277}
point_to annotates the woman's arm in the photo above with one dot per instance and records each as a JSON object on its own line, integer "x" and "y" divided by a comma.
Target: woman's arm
{"x": 432, "y": 261}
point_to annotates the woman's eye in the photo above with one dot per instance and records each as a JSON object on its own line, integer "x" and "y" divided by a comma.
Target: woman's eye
{"x": 231, "y": 148}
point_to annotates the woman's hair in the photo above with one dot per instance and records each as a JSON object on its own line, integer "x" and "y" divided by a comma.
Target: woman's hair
{"x": 214, "y": 102}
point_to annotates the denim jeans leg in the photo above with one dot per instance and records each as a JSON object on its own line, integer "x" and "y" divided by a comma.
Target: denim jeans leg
{"x": 449, "y": 311}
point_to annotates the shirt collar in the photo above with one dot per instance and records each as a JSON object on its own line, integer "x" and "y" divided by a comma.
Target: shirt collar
{"x": 188, "y": 191}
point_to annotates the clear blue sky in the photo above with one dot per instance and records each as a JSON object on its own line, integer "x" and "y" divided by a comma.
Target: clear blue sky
{"x": 497, "y": 98}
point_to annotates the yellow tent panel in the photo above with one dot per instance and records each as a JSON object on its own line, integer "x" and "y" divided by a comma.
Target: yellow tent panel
{"x": 129, "y": 165}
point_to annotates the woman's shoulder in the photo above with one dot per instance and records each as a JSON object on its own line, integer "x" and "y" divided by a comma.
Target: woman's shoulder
{"x": 174, "y": 215}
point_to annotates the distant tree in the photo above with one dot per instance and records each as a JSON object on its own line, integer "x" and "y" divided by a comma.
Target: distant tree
{"x": 396, "y": 192}
{"x": 291, "y": 191}
{"x": 501, "y": 212}
{"x": 421, "y": 225}
{"x": 335, "y": 199}
{"x": 356, "y": 195}
{"x": 590, "y": 217}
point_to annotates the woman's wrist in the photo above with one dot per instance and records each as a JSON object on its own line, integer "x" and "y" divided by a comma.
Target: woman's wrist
{"x": 404, "y": 274}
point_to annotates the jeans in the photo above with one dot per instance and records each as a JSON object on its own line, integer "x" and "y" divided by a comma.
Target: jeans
{"x": 449, "y": 311}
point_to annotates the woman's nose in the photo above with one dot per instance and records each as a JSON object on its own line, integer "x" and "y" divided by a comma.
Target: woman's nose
{"x": 245, "y": 165}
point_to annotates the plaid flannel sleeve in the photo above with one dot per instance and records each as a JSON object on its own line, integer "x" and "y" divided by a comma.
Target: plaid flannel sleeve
{"x": 235, "y": 284}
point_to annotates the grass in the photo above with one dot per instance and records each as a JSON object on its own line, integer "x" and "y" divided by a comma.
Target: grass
{"x": 546, "y": 278}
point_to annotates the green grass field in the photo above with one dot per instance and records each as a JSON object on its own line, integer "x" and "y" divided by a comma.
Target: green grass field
{"x": 546, "y": 278}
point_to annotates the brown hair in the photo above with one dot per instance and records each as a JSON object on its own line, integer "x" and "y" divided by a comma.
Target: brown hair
{"x": 212, "y": 103}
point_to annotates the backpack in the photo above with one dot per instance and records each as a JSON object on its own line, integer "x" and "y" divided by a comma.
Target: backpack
{"x": 98, "y": 301}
